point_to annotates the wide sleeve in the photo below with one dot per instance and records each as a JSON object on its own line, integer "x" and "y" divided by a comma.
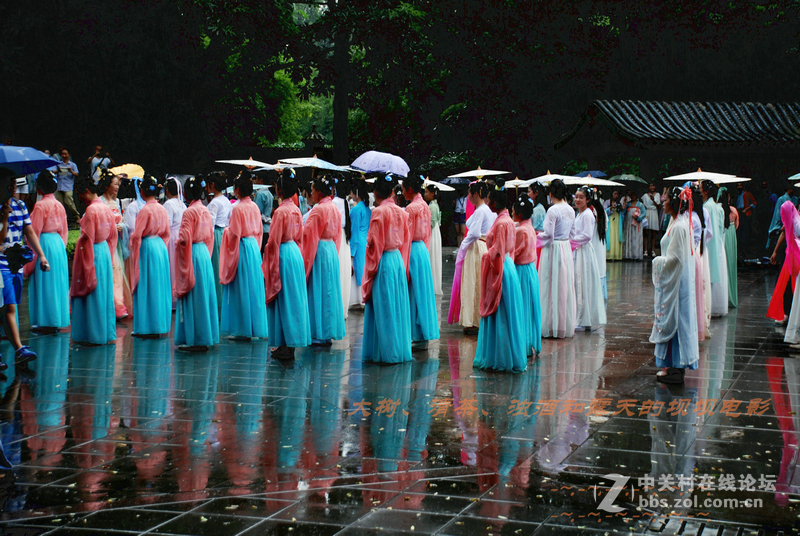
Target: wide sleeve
{"x": 405, "y": 247}
{"x": 492, "y": 272}
{"x": 271, "y": 263}
{"x": 582, "y": 231}
{"x": 375, "y": 246}
{"x": 539, "y": 214}
{"x": 63, "y": 228}
{"x": 37, "y": 223}
{"x": 667, "y": 273}
{"x": 735, "y": 218}
{"x": 142, "y": 222}
{"x": 548, "y": 229}
{"x": 84, "y": 278}
{"x": 184, "y": 268}
{"x": 312, "y": 231}
{"x": 229, "y": 249}
{"x": 337, "y": 237}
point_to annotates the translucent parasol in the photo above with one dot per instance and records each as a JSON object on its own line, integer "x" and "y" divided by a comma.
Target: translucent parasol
{"x": 700, "y": 176}
{"x": 312, "y": 162}
{"x": 479, "y": 173}
{"x": 131, "y": 170}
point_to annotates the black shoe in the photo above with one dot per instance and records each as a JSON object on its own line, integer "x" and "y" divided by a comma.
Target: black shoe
{"x": 674, "y": 376}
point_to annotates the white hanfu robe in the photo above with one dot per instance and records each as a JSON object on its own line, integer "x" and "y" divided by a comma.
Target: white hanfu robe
{"x": 675, "y": 323}
{"x": 717, "y": 261}
{"x": 557, "y": 273}
{"x": 590, "y": 306}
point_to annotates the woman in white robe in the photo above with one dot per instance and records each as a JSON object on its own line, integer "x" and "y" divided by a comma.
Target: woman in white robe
{"x": 556, "y": 268}
{"x": 175, "y": 208}
{"x": 466, "y": 294}
{"x": 635, "y": 215}
{"x": 675, "y": 324}
{"x": 701, "y": 234}
{"x": 431, "y": 196}
{"x": 345, "y": 263}
{"x": 590, "y": 306}
{"x": 717, "y": 261}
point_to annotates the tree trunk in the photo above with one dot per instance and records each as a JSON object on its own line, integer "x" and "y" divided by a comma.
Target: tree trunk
{"x": 341, "y": 64}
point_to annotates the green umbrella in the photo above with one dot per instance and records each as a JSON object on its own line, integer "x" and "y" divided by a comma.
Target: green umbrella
{"x": 628, "y": 178}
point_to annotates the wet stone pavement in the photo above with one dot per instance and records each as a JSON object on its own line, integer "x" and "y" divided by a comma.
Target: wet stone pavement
{"x": 138, "y": 438}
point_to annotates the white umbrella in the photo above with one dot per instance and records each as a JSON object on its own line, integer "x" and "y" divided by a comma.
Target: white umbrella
{"x": 545, "y": 179}
{"x": 376, "y": 162}
{"x": 517, "y": 183}
{"x": 480, "y": 173}
{"x": 699, "y": 175}
{"x": 590, "y": 181}
{"x": 731, "y": 180}
{"x": 425, "y": 184}
{"x": 312, "y": 162}
{"x": 249, "y": 163}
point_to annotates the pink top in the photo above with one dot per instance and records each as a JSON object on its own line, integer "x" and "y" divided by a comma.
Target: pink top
{"x": 196, "y": 227}
{"x": 525, "y": 250}
{"x": 388, "y": 229}
{"x": 501, "y": 241}
{"x": 152, "y": 220}
{"x": 245, "y": 222}
{"x": 419, "y": 218}
{"x": 48, "y": 216}
{"x": 97, "y": 225}
{"x": 286, "y": 226}
{"x": 324, "y": 223}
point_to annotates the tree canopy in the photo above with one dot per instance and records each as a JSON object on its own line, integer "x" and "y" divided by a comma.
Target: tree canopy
{"x": 171, "y": 83}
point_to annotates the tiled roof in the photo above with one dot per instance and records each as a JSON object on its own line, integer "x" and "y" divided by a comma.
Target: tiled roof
{"x": 694, "y": 122}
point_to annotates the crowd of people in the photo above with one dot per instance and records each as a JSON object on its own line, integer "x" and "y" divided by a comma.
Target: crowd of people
{"x": 267, "y": 256}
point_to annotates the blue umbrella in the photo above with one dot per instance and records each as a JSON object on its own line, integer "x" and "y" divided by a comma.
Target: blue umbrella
{"x": 24, "y": 160}
{"x": 594, "y": 174}
{"x": 375, "y": 162}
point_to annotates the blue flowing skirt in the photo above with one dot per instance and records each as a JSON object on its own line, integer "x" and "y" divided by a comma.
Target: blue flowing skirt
{"x": 422, "y": 300}
{"x": 94, "y": 320}
{"x": 48, "y": 292}
{"x": 531, "y": 306}
{"x": 152, "y": 300}
{"x": 197, "y": 317}
{"x": 389, "y": 341}
{"x": 218, "y": 231}
{"x": 244, "y": 300}
{"x": 325, "y": 312}
{"x": 287, "y": 315}
{"x": 501, "y": 339}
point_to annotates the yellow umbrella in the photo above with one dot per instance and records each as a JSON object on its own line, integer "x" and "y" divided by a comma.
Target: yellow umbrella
{"x": 131, "y": 170}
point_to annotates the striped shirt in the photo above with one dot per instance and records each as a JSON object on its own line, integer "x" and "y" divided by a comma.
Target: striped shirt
{"x": 17, "y": 220}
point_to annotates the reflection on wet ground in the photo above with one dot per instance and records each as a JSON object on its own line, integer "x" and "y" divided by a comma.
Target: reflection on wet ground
{"x": 137, "y": 437}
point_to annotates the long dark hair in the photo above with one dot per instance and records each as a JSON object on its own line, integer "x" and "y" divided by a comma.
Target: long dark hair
{"x": 726, "y": 207}
{"x": 498, "y": 195}
{"x": 558, "y": 189}
{"x": 523, "y": 207}
{"x": 541, "y": 194}
{"x": 697, "y": 199}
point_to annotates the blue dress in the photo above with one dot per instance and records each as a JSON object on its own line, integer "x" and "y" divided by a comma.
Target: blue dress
{"x": 326, "y": 315}
{"x": 359, "y": 227}
{"x": 531, "y": 306}
{"x": 500, "y": 339}
{"x": 197, "y": 316}
{"x": 48, "y": 292}
{"x": 152, "y": 299}
{"x": 94, "y": 320}
{"x": 422, "y": 300}
{"x": 287, "y": 314}
{"x": 244, "y": 302}
{"x": 387, "y": 316}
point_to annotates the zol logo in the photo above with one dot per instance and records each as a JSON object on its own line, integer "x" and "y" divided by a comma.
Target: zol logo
{"x": 607, "y": 504}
